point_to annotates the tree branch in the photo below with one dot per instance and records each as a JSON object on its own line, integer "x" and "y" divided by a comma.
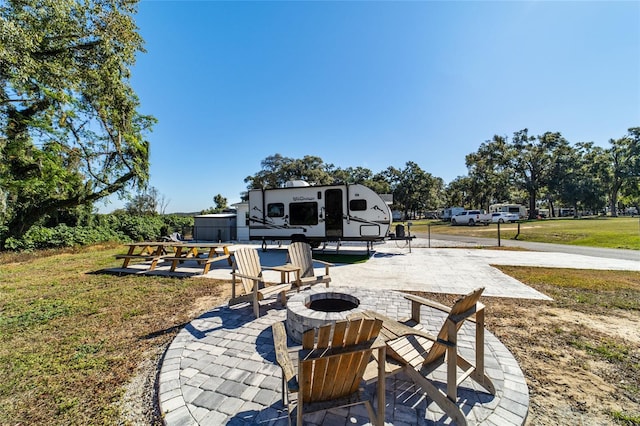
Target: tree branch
{"x": 55, "y": 52}
{"x": 8, "y": 101}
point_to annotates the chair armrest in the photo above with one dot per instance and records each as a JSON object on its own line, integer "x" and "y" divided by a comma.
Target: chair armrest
{"x": 427, "y": 302}
{"x": 416, "y": 301}
{"x": 251, "y": 277}
{"x": 282, "y": 354}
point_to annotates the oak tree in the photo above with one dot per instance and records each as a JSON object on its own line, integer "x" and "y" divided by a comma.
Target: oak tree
{"x": 624, "y": 165}
{"x": 70, "y": 129}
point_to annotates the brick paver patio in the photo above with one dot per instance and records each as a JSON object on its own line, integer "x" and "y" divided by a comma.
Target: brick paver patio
{"x": 221, "y": 369}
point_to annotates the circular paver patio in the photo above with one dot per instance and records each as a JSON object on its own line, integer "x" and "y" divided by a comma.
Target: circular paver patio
{"x": 221, "y": 369}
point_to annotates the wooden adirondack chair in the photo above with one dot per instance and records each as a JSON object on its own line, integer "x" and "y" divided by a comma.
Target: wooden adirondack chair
{"x": 300, "y": 255}
{"x": 246, "y": 266}
{"x": 422, "y": 353}
{"x": 329, "y": 372}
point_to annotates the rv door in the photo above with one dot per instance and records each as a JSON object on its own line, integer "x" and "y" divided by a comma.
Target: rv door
{"x": 333, "y": 213}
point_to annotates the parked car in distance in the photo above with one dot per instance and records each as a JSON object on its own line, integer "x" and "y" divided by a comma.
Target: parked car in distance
{"x": 502, "y": 217}
{"x": 471, "y": 218}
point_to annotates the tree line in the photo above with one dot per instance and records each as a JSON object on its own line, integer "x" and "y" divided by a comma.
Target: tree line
{"x": 543, "y": 171}
{"x": 413, "y": 188}
{"x": 548, "y": 171}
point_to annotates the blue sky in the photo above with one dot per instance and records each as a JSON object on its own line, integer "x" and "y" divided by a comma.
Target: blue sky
{"x": 373, "y": 84}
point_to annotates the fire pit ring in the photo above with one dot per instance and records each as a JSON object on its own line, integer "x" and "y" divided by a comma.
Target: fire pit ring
{"x": 315, "y": 308}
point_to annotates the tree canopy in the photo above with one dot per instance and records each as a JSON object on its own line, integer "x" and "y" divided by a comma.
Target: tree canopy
{"x": 220, "y": 205}
{"x": 548, "y": 169}
{"x": 487, "y": 180}
{"x": 277, "y": 170}
{"x": 624, "y": 160}
{"x": 70, "y": 130}
{"x": 526, "y": 169}
{"x": 413, "y": 189}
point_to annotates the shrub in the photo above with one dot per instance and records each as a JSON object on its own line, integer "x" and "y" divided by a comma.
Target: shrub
{"x": 39, "y": 237}
{"x": 118, "y": 226}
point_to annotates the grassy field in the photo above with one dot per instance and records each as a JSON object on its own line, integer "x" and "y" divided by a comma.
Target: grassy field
{"x": 71, "y": 338}
{"x": 609, "y": 232}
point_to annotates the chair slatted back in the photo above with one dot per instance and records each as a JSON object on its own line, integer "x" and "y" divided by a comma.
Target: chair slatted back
{"x": 336, "y": 376}
{"x": 247, "y": 262}
{"x": 462, "y": 305}
{"x": 300, "y": 255}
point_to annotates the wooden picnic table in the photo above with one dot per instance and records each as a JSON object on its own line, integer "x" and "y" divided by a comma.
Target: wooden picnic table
{"x": 191, "y": 251}
{"x": 176, "y": 252}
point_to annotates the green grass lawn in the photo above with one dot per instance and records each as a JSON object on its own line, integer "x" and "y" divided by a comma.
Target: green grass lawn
{"x": 608, "y": 232}
{"x": 70, "y": 339}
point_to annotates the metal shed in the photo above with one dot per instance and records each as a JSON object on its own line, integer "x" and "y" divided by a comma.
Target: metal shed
{"x": 215, "y": 227}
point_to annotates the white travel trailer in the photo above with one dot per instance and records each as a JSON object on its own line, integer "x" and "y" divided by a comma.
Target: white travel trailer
{"x": 316, "y": 214}
{"x": 520, "y": 210}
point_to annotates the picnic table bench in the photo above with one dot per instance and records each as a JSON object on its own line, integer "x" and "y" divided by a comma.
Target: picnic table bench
{"x": 177, "y": 252}
{"x": 192, "y": 253}
{"x": 147, "y": 250}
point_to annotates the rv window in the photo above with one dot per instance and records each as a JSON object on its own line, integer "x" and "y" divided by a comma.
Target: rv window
{"x": 355, "y": 205}
{"x": 275, "y": 210}
{"x": 303, "y": 214}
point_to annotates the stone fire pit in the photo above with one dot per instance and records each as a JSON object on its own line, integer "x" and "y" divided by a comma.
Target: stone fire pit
{"x": 314, "y": 308}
